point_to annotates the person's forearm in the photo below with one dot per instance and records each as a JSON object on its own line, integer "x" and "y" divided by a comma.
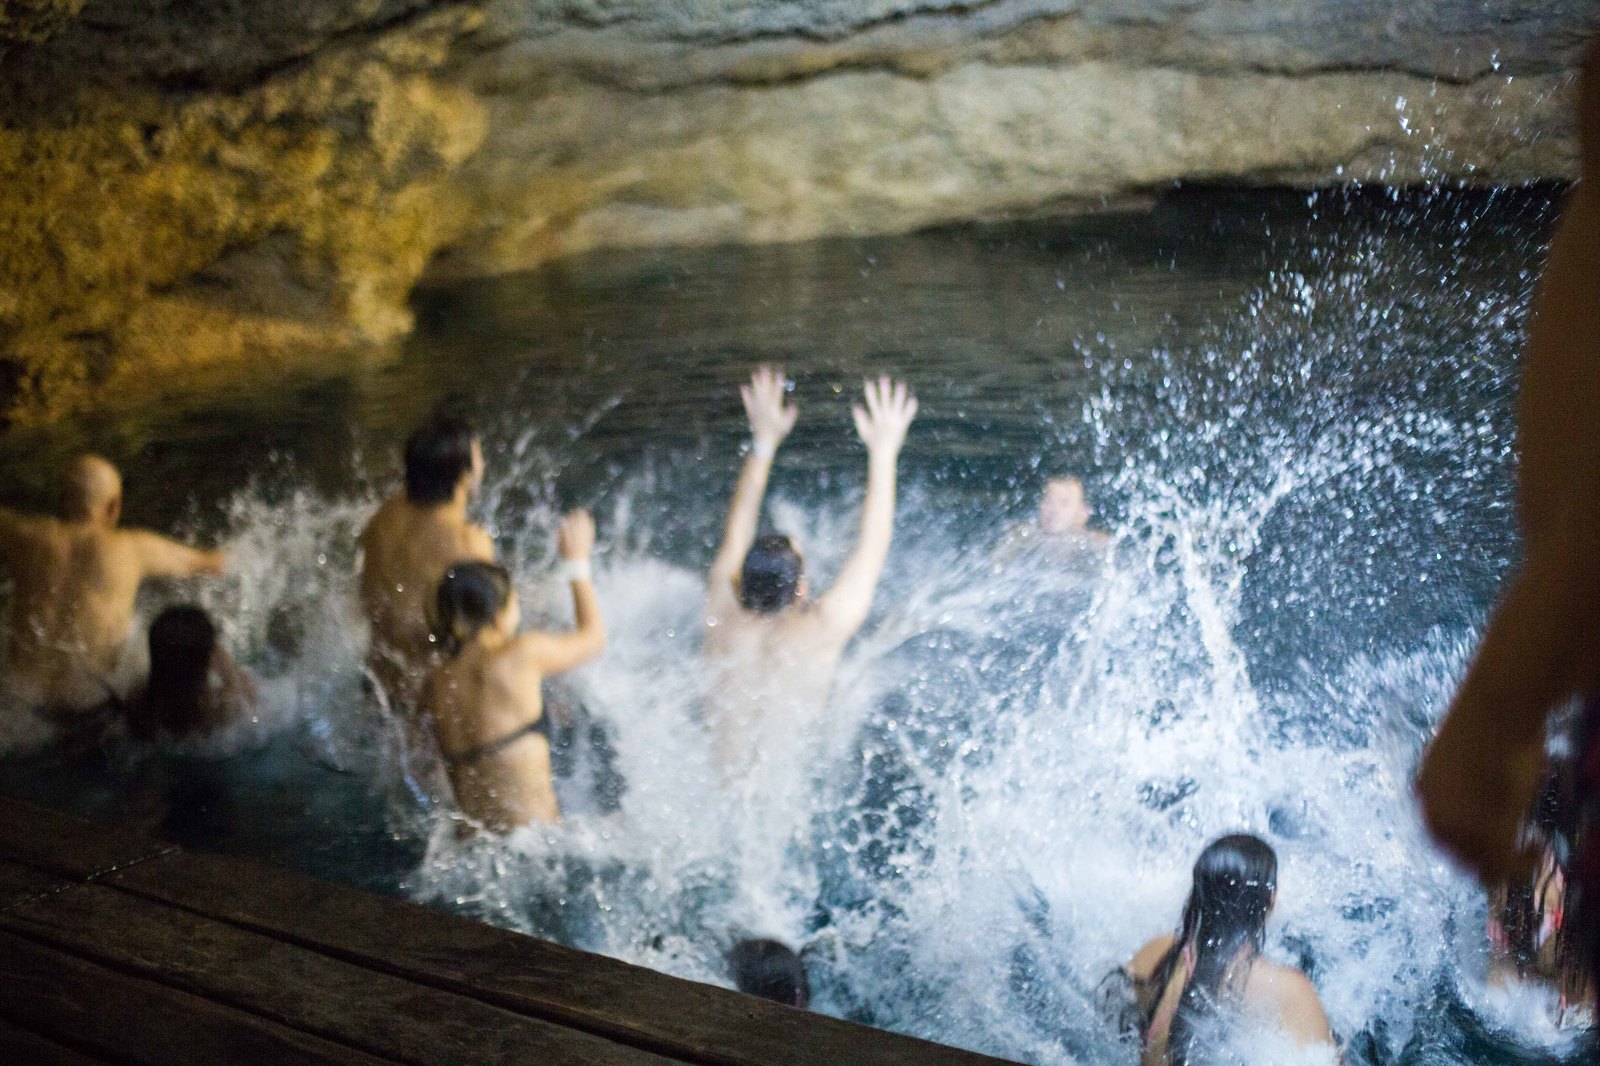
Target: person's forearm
{"x": 877, "y": 513}
{"x": 745, "y": 511}
{"x": 586, "y": 606}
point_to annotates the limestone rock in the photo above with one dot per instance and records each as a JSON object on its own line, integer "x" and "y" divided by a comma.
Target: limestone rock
{"x": 152, "y": 234}
{"x": 188, "y": 187}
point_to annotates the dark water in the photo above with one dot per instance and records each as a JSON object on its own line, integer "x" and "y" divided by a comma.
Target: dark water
{"x": 1294, "y": 414}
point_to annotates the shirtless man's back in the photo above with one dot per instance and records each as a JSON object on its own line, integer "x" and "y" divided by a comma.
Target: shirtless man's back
{"x": 773, "y": 652}
{"x": 409, "y": 544}
{"x": 77, "y": 580}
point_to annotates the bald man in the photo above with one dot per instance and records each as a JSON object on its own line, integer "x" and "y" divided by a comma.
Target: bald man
{"x": 76, "y": 580}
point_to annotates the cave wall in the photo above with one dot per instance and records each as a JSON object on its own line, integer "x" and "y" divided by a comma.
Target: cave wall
{"x": 189, "y": 186}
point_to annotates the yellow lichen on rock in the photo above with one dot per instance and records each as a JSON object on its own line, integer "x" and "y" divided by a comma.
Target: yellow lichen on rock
{"x": 151, "y": 233}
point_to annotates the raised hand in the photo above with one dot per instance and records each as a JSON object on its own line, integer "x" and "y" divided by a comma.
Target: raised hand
{"x": 883, "y": 422}
{"x": 575, "y": 537}
{"x": 771, "y": 418}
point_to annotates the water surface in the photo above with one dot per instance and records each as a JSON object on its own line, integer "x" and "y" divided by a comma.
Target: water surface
{"x": 1293, "y": 414}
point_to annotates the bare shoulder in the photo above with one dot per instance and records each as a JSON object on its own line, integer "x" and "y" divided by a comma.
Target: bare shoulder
{"x": 1145, "y": 961}
{"x": 1291, "y": 998}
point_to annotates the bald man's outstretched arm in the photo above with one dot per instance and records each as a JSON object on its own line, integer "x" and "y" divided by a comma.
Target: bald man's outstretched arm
{"x": 161, "y": 557}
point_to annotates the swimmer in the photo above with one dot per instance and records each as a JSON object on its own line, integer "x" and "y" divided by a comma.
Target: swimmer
{"x": 772, "y": 649}
{"x": 1529, "y": 936}
{"x": 407, "y": 546}
{"x": 76, "y": 581}
{"x": 1062, "y": 527}
{"x": 1483, "y": 770}
{"x": 768, "y": 969}
{"x": 484, "y": 700}
{"x": 195, "y": 687}
{"x": 1215, "y": 959}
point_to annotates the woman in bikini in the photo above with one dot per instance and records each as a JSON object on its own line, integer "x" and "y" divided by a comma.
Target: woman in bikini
{"x": 1215, "y": 960}
{"x": 484, "y": 700}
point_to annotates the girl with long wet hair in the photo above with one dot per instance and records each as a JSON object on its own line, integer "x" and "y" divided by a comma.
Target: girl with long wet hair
{"x": 194, "y": 687}
{"x": 484, "y": 699}
{"x": 1183, "y": 981}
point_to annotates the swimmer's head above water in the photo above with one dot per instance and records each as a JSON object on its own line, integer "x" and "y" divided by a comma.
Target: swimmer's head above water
{"x": 1063, "y": 507}
{"x": 443, "y": 455}
{"x": 773, "y": 575}
{"x": 473, "y": 597}
{"x": 770, "y": 970}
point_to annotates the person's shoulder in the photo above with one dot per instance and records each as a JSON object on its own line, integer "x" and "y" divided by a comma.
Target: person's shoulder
{"x": 1147, "y": 958}
{"x": 1275, "y": 984}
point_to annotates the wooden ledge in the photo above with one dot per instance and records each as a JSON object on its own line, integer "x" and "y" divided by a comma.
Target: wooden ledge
{"x": 119, "y": 947}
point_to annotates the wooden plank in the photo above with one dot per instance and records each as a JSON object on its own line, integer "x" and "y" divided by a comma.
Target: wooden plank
{"x": 693, "y": 1022}
{"x": 19, "y": 884}
{"x": 27, "y": 1048}
{"x": 379, "y": 1013}
{"x": 70, "y": 846}
{"x": 129, "y": 1020}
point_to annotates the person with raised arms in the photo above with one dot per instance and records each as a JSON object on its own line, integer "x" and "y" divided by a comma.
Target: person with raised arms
{"x": 772, "y": 648}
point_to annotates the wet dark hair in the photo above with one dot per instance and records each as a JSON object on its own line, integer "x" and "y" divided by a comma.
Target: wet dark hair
{"x": 770, "y": 578}
{"x": 1235, "y": 878}
{"x": 770, "y": 970}
{"x": 438, "y": 456}
{"x": 182, "y": 640}
{"x": 1552, "y": 830}
{"x": 471, "y": 596}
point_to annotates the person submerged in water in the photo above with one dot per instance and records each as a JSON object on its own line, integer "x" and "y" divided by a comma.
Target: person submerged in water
{"x": 1541, "y": 649}
{"x": 408, "y": 545}
{"x": 76, "y": 581}
{"x": 770, "y": 970}
{"x": 1061, "y": 530}
{"x": 1215, "y": 960}
{"x": 772, "y": 648}
{"x": 195, "y": 687}
{"x": 484, "y": 699}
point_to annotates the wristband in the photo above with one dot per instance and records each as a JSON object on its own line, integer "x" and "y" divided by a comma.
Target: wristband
{"x": 577, "y": 570}
{"x": 762, "y": 449}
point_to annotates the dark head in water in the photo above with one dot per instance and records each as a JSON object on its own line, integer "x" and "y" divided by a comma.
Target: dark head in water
{"x": 182, "y": 642}
{"x": 442, "y": 456}
{"x": 773, "y": 575}
{"x": 767, "y": 969}
{"x": 1224, "y": 926}
{"x": 473, "y": 597}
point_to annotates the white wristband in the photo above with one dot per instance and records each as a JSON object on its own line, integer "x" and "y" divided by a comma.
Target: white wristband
{"x": 576, "y": 570}
{"x": 762, "y": 450}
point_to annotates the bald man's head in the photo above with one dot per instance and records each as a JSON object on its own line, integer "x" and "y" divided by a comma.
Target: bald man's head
{"x": 92, "y": 492}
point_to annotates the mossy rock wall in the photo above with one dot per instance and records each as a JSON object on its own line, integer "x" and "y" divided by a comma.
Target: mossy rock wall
{"x": 192, "y": 186}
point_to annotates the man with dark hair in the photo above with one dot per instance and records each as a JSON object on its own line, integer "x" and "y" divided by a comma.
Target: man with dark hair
{"x": 76, "y": 582}
{"x": 407, "y": 546}
{"x": 773, "y": 649}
